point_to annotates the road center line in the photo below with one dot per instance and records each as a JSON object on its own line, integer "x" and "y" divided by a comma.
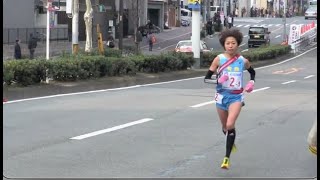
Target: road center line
{"x": 111, "y": 129}
{"x": 277, "y": 36}
{"x": 243, "y": 44}
{"x": 245, "y": 50}
{"x": 308, "y": 77}
{"x": 289, "y": 82}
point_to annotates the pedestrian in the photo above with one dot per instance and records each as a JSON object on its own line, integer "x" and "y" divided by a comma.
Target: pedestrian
{"x": 230, "y": 23}
{"x": 110, "y": 40}
{"x": 151, "y": 40}
{"x": 312, "y": 138}
{"x": 17, "y": 50}
{"x": 236, "y": 13}
{"x": 243, "y": 11}
{"x": 32, "y": 44}
{"x": 209, "y": 27}
{"x": 230, "y": 66}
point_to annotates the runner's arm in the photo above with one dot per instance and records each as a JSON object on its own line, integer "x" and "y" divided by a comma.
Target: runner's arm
{"x": 213, "y": 67}
{"x": 250, "y": 69}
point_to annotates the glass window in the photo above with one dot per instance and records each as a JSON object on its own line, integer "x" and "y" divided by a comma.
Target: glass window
{"x": 256, "y": 30}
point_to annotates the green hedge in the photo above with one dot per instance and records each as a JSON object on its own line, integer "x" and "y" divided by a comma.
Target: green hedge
{"x": 86, "y": 66}
{"x": 83, "y": 66}
{"x": 261, "y": 53}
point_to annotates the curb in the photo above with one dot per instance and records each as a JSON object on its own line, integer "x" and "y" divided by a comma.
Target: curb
{"x": 55, "y": 88}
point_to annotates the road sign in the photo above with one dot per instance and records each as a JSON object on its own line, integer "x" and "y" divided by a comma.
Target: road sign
{"x": 194, "y": 4}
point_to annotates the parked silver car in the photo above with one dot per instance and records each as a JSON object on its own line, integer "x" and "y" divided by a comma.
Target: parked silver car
{"x": 311, "y": 13}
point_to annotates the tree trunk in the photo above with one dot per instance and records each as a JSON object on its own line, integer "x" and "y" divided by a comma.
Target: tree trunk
{"x": 88, "y": 15}
{"x": 75, "y": 26}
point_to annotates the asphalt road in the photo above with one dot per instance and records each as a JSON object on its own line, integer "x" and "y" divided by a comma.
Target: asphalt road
{"x": 274, "y": 25}
{"x": 166, "y": 130}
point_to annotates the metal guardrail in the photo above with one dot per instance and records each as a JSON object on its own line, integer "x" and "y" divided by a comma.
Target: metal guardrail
{"x": 10, "y": 35}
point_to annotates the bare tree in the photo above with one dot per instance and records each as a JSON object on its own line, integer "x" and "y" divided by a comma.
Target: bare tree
{"x": 88, "y": 15}
{"x": 134, "y": 18}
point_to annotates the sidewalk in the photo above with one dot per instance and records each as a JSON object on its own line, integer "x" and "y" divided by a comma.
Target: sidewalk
{"x": 58, "y": 47}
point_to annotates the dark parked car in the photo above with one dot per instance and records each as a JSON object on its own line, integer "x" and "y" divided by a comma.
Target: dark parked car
{"x": 258, "y": 36}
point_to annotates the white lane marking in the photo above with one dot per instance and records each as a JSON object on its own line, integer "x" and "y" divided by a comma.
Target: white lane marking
{"x": 245, "y": 36}
{"x": 289, "y": 82}
{"x": 70, "y": 94}
{"x": 129, "y": 87}
{"x": 242, "y": 44}
{"x": 111, "y": 129}
{"x": 277, "y": 36}
{"x": 167, "y": 47}
{"x": 278, "y": 25}
{"x": 308, "y": 77}
{"x": 203, "y": 104}
{"x": 239, "y": 25}
{"x": 261, "y": 89}
{"x": 97, "y": 91}
{"x": 213, "y": 102}
{"x": 270, "y": 25}
{"x": 245, "y": 50}
{"x": 247, "y": 25}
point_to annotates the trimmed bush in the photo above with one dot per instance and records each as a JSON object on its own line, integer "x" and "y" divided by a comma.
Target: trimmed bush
{"x": 84, "y": 66}
{"x": 257, "y": 54}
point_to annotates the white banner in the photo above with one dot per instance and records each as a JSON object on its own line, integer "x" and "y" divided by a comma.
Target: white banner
{"x": 294, "y": 33}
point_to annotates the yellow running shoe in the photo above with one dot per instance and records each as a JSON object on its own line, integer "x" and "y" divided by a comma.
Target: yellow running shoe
{"x": 225, "y": 163}
{"x": 234, "y": 148}
{"x": 313, "y": 149}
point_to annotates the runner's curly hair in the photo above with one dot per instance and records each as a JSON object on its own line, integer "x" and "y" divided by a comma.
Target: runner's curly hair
{"x": 233, "y": 32}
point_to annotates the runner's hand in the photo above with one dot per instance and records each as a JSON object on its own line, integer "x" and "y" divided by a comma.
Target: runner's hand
{"x": 223, "y": 78}
{"x": 249, "y": 86}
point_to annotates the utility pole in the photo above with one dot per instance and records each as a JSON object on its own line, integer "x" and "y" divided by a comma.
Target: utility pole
{"x": 49, "y": 7}
{"x": 121, "y": 25}
{"x": 284, "y": 21}
{"x": 195, "y": 38}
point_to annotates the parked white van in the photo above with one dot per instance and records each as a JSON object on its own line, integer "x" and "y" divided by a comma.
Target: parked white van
{"x": 186, "y": 17}
{"x": 215, "y": 9}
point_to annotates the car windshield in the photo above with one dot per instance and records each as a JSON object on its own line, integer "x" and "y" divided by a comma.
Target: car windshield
{"x": 256, "y": 31}
{"x": 185, "y": 43}
{"x": 312, "y": 10}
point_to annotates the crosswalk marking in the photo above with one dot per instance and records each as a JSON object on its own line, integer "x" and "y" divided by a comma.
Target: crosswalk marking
{"x": 264, "y": 25}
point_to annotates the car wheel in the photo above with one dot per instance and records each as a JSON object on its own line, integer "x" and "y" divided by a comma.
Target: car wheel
{"x": 305, "y": 18}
